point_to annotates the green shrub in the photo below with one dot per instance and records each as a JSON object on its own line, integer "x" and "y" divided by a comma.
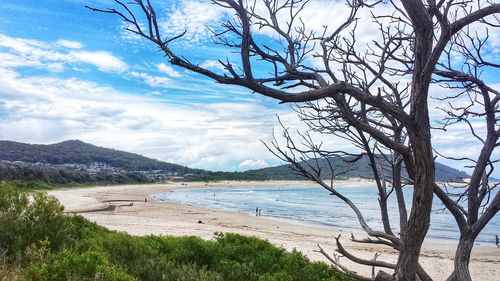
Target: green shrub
{"x": 190, "y": 272}
{"x": 136, "y": 255}
{"x": 250, "y": 258}
{"x": 44, "y": 244}
{"x": 28, "y": 185}
{"x": 26, "y": 220}
{"x": 68, "y": 265}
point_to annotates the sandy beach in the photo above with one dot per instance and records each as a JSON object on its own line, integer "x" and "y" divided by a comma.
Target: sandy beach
{"x": 134, "y": 216}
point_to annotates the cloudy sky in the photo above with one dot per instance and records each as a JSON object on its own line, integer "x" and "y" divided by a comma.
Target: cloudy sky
{"x": 66, "y": 73}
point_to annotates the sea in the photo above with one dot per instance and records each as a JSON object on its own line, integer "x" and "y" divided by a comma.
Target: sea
{"x": 314, "y": 205}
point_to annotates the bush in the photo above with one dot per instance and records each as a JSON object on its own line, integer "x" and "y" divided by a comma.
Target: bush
{"x": 44, "y": 244}
{"x": 26, "y": 220}
{"x": 250, "y": 258}
{"x": 68, "y": 265}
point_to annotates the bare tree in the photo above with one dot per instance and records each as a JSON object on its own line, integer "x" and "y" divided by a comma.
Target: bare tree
{"x": 379, "y": 92}
{"x": 317, "y": 163}
{"x": 474, "y": 103}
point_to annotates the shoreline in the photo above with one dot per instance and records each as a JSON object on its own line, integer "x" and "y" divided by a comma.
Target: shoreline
{"x": 170, "y": 218}
{"x": 296, "y": 221}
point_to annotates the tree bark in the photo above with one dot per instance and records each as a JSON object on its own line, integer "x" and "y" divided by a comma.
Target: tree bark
{"x": 462, "y": 257}
{"x": 379, "y": 179}
{"x": 396, "y": 183}
{"x": 419, "y": 218}
{"x": 421, "y": 165}
{"x": 383, "y": 276}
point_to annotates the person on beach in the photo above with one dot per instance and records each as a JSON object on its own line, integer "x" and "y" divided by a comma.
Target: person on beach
{"x": 497, "y": 241}
{"x": 257, "y": 211}
{"x": 260, "y": 210}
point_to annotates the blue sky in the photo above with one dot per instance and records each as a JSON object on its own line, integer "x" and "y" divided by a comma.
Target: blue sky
{"x": 69, "y": 73}
{"x": 66, "y": 73}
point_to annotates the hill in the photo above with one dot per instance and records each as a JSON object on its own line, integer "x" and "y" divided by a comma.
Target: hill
{"x": 78, "y": 152}
{"x": 125, "y": 165}
{"x": 361, "y": 169}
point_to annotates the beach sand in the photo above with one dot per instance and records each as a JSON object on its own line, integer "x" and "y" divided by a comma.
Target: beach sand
{"x": 166, "y": 218}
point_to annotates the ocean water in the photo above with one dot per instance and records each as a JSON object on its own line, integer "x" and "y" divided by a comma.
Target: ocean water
{"x": 315, "y": 205}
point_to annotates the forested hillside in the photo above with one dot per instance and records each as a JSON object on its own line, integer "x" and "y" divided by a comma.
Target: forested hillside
{"x": 33, "y": 175}
{"x": 78, "y": 152}
{"x": 57, "y": 159}
{"x": 361, "y": 169}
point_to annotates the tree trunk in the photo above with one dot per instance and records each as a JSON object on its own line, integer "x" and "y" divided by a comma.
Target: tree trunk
{"x": 383, "y": 276}
{"x": 382, "y": 192}
{"x": 419, "y": 219}
{"x": 462, "y": 258}
{"x": 396, "y": 183}
{"x": 421, "y": 165}
{"x": 385, "y": 214}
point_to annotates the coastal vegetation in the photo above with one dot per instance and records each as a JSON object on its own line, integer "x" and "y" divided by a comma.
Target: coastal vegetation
{"x": 38, "y": 241}
{"x": 27, "y": 174}
{"x": 78, "y": 152}
{"x": 73, "y": 163}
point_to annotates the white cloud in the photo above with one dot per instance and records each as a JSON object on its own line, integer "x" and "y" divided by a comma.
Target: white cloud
{"x": 253, "y": 164}
{"x": 41, "y": 109}
{"x": 104, "y": 61}
{"x": 129, "y": 36}
{"x": 168, "y": 70}
{"x": 69, "y": 44}
{"x": 153, "y": 81}
{"x": 192, "y": 17}
{"x": 17, "y": 52}
{"x": 11, "y": 60}
{"x": 210, "y": 136}
{"x": 212, "y": 64}
{"x": 55, "y": 67}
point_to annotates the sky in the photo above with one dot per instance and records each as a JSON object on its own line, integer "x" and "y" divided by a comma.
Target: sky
{"x": 68, "y": 73}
